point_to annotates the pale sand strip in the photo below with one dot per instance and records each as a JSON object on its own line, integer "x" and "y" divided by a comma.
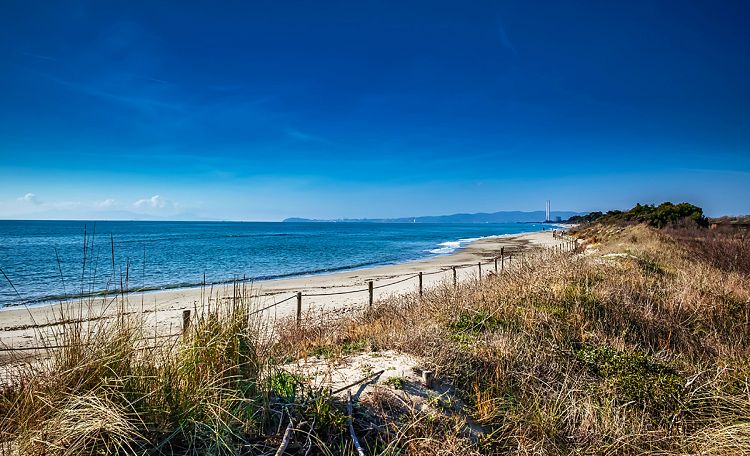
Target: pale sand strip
{"x": 164, "y": 308}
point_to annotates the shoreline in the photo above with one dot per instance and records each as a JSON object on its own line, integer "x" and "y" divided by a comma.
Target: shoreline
{"x": 162, "y": 309}
{"x": 52, "y": 300}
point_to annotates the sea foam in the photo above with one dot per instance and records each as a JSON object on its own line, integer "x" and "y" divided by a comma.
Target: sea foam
{"x": 452, "y": 246}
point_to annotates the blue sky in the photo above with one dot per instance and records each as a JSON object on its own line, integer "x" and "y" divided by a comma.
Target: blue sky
{"x": 249, "y": 110}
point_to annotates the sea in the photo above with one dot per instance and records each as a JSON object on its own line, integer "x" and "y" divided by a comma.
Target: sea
{"x": 47, "y": 261}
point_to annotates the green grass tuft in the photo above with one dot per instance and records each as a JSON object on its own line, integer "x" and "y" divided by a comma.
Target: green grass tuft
{"x": 471, "y": 324}
{"x": 395, "y": 382}
{"x": 637, "y": 378}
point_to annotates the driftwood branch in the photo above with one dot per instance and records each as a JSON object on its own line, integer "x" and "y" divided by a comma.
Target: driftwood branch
{"x": 286, "y": 439}
{"x": 290, "y": 428}
{"x": 355, "y": 440}
{"x": 309, "y": 436}
{"x": 344, "y": 388}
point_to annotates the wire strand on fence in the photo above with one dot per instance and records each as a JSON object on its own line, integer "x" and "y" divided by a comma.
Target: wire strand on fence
{"x": 396, "y": 282}
{"x": 442, "y": 271}
{"x": 270, "y": 306}
{"x": 333, "y": 293}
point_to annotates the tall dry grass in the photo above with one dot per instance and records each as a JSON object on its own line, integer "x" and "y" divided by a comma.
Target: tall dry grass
{"x": 119, "y": 390}
{"x": 640, "y": 345}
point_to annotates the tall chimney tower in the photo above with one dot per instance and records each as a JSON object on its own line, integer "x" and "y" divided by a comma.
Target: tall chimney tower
{"x": 548, "y": 217}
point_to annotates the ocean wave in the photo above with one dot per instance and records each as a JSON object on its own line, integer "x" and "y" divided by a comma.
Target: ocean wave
{"x": 446, "y": 247}
{"x": 451, "y": 246}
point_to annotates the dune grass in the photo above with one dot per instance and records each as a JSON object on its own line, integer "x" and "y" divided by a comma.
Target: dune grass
{"x": 639, "y": 345}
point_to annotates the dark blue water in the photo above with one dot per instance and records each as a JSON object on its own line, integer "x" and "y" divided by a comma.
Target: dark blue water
{"x": 47, "y": 260}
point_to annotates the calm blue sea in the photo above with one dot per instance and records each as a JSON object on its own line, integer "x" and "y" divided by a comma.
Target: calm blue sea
{"x": 47, "y": 260}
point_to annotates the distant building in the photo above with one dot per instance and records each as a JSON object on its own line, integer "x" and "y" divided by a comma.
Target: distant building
{"x": 547, "y": 218}
{"x": 558, "y": 219}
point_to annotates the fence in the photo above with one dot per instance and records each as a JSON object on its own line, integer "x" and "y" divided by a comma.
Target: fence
{"x": 566, "y": 244}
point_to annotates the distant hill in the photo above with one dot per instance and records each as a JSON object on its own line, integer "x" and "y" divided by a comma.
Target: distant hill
{"x": 481, "y": 217}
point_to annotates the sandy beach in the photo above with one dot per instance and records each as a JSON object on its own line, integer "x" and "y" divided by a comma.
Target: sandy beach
{"x": 20, "y": 327}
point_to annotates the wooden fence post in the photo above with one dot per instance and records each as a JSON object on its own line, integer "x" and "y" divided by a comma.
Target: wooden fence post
{"x": 299, "y": 308}
{"x": 185, "y": 320}
{"x": 369, "y": 289}
{"x": 455, "y": 278}
{"x": 495, "y": 265}
{"x": 479, "y": 265}
{"x": 428, "y": 378}
{"x": 420, "y": 284}
{"x": 502, "y": 258}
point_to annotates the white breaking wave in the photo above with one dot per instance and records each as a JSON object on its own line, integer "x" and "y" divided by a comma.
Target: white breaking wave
{"x": 452, "y": 246}
{"x": 447, "y": 247}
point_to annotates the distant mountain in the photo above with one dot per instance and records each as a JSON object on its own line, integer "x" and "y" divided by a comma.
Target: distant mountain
{"x": 481, "y": 217}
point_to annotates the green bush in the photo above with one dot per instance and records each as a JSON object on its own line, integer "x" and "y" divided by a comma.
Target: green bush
{"x": 658, "y": 216}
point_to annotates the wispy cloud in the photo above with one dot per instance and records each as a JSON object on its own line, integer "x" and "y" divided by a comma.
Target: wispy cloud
{"x": 160, "y": 81}
{"x": 138, "y": 101}
{"x": 504, "y": 40}
{"x": 105, "y": 204}
{"x": 155, "y": 202}
{"x": 38, "y": 56}
{"x": 133, "y": 81}
{"x": 302, "y": 136}
{"x": 226, "y": 87}
{"x": 30, "y": 205}
{"x": 31, "y": 201}
{"x": 30, "y": 198}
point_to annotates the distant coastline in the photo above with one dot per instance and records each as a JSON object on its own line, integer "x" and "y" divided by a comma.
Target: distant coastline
{"x": 480, "y": 217}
